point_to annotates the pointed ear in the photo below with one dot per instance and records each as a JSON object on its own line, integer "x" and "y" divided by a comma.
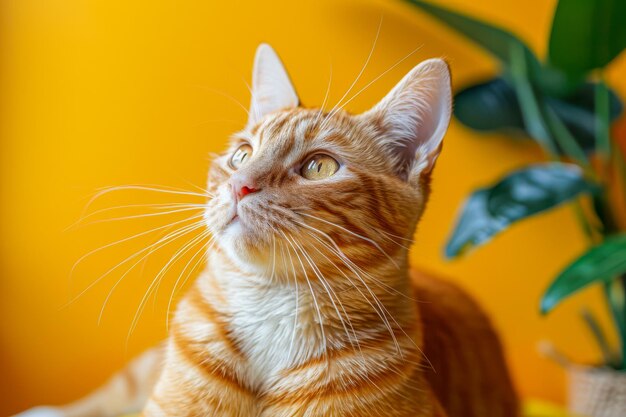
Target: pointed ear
{"x": 271, "y": 88}
{"x": 414, "y": 117}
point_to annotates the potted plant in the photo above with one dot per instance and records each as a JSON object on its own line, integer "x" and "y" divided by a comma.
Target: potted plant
{"x": 565, "y": 105}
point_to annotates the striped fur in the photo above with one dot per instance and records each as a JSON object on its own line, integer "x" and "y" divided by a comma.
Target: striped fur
{"x": 308, "y": 306}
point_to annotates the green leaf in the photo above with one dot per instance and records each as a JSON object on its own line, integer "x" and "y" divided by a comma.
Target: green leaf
{"x": 566, "y": 143}
{"x": 603, "y": 121}
{"x": 601, "y": 263}
{"x": 499, "y": 42}
{"x": 521, "y": 194}
{"x": 587, "y": 34}
{"x": 577, "y": 112}
{"x": 530, "y": 104}
{"x": 494, "y": 39}
{"x": 493, "y": 106}
{"x": 489, "y": 106}
{"x": 615, "y": 297}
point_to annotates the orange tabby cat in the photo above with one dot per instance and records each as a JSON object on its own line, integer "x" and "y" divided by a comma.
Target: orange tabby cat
{"x": 307, "y": 306}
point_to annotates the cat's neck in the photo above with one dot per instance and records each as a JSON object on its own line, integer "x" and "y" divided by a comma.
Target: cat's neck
{"x": 288, "y": 322}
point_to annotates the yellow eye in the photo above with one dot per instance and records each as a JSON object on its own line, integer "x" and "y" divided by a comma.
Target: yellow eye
{"x": 241, "y": 156}
{"x": 319, "y": 167}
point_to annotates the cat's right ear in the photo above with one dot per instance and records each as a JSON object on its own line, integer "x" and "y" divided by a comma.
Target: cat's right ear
{"x": 414, "y": 117}
{"x": 272, "y": 89}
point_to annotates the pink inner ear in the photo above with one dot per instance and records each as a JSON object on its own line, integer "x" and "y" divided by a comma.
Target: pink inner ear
{"x": 272, "y": 89}
{"x": 415, "y": 115}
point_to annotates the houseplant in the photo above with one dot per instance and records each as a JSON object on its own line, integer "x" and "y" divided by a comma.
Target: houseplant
{"x": 565, "y": 105}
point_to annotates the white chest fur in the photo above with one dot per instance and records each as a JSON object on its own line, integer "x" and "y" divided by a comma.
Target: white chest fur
{"x": 275, "y": 326}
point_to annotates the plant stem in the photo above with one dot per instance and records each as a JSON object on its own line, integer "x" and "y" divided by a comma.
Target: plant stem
{"x": 565, "y": 139}
{"x": 592, "y": 233}
{"x": 622, "y": 305}
{"x": 600, "y": 338}
{"x": 614, "y": 292}
{"x": 602, "y": 111}
{"x": 529, "y": 105}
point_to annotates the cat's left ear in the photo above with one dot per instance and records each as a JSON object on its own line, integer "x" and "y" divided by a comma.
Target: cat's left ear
{"x": 413, "y": 118}
{"x": 272, "y": 89}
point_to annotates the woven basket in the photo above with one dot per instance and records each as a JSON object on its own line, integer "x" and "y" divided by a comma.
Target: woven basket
{"x": 597, "y": 392}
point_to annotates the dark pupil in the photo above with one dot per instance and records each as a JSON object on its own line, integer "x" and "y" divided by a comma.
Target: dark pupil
{"x": 319, "y": 167}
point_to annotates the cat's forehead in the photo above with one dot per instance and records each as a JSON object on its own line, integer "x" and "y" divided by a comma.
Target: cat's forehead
{"x": 300, "y": 130}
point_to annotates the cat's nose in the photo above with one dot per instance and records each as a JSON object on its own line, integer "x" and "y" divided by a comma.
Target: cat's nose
{"x": 242, "y": 186}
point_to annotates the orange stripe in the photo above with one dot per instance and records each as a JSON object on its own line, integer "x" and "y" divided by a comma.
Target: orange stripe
{"x": 340, "y": 388}
{"x": 209, "y": 365}
{"x": 209, "y": 313}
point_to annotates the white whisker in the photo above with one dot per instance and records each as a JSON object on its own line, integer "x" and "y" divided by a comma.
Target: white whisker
{"x": 330, "y": 293}
{"x": 204, "y": 249}
{"x": 353, "y": 234}
{"x": 223, "y": 94}
{"x": 151, "y": 249}
{"x": 358, "y": 77}
{"x": 168, "y": 236}
{"x": 179, "y": 253}
{"x": 319, "y": 313}
{"x": 380, "y": 76}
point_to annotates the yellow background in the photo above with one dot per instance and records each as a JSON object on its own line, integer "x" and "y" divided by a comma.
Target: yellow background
{"x": 100, "y": 93}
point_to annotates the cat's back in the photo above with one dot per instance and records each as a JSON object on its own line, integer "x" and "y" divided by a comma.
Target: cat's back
{"x": 469, "y": 374}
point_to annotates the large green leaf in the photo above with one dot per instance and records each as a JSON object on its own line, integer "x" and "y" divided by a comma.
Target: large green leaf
{"x": 493, "y": 105}
{"x": 601, "y": 263}
{"x": 587, "y": 34}
{"x": 521, "y": 194}
{"x": 495, "y": 40}
{"x": 489, "y": 106}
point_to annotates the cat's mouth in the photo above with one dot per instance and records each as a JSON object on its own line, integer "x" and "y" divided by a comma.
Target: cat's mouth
{"x": 234, "y": 217}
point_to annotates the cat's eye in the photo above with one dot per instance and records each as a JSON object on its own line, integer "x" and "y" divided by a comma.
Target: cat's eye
{"x": 241, "y": 156}
{"x": 319, "y": 166}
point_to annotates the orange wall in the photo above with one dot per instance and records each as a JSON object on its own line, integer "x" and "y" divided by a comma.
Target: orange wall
{"x": 99, "y": 93}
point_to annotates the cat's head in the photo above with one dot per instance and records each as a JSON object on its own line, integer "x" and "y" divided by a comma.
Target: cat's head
{"x": 300, "y": 185}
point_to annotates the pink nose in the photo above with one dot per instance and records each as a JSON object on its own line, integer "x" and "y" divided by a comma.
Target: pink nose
{"x": 242, "y": 186}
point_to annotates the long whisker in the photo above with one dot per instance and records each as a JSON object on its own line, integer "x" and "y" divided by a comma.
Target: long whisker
{"x": 141, "y": 187}
{"x": 380, "y": 76}
{"x": 380, "y": 309}
{"x": 117, "y": 242}
{"x": 321, "y": 111}
{"x": 374, "y": 243}
{"x": 295, "y": 279}
{"x": 319, "y": 314}
{"x": 340, "y": 253}
{"x": 204, "y": 249}
{"x": 254, "y": 103}
{"x": 201, "y": 189}
{"x": 329, "y": 290}
{"x": 138, "y": 216}
{"x": 133, "y": 206}
{"x": 169, "y": 236}
{"x": 358, "y": 77}
{"x": 223, "y": 94}
{"x": 273, "y": 259}
{"x": 106, "y": 300}
{"x": 342, "y": 256}
{"x": 388, "y": 237}
{"x": 181, "y": 252}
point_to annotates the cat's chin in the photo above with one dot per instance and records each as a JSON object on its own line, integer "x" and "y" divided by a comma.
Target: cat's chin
{"x": 246, "y": 247}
